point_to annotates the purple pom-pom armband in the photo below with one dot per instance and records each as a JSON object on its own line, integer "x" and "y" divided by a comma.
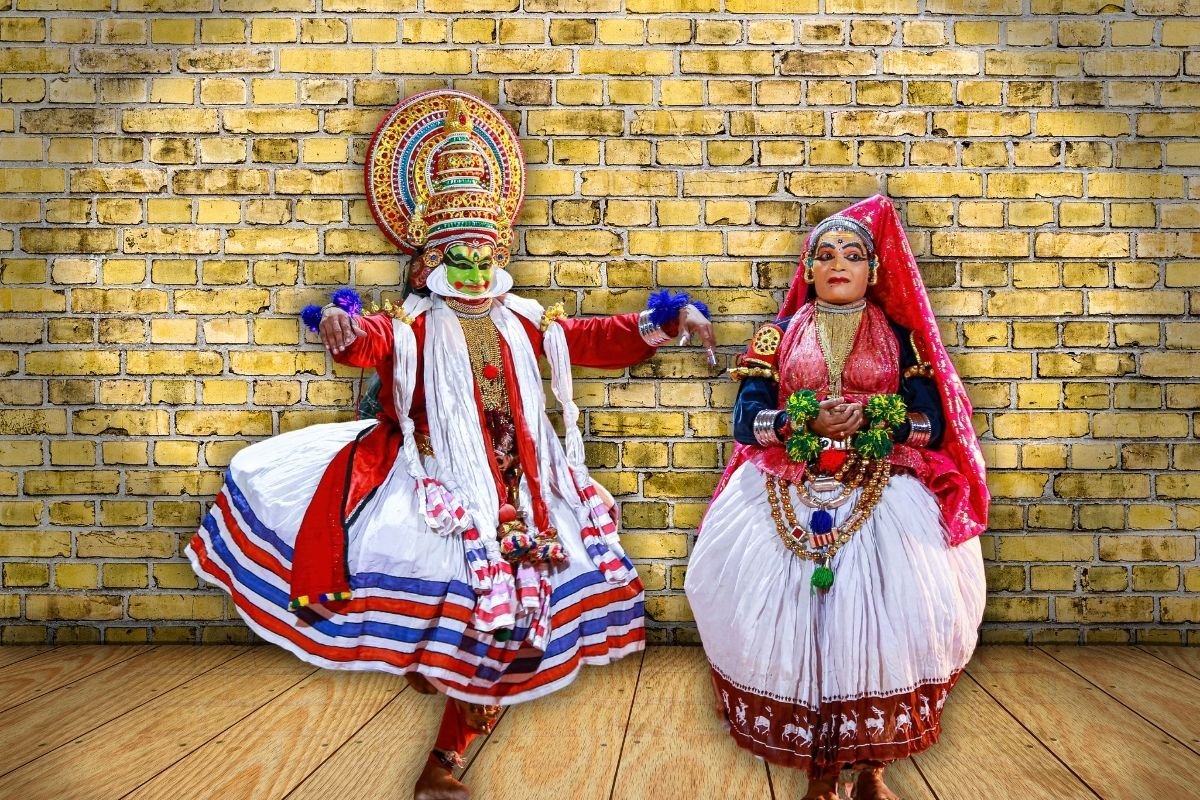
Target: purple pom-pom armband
{"x": 345, "y": 298}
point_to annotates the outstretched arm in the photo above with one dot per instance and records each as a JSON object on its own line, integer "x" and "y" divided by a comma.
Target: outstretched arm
{"x": 625, "y": 339}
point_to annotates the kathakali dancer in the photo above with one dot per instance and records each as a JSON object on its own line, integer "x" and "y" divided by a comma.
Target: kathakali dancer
{"x": 837, "y": 580}
{"x": 453, "y": 539}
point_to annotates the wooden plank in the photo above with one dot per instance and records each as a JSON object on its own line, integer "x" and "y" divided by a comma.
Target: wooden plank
{"x": 1184, "y": 658}
{"x": 1154, "y": 689}
{"x": 579, "y": 728}
{"x": 983, "y": 747}
{"x": 267, "y": 754}
{"x": 1116, "y": 752}
{"x": 42, "y": 724}
{"x": 383, "y": 759}
{"x": 676, "y": 747}
{"x": 12, "y": 654}
{"x": 33, "y": 677}
{"x": 903, "y": 778}
{"x": 117, "y": 757}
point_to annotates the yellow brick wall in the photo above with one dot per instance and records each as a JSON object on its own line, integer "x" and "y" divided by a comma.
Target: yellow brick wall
{"x": 179, "y": 177}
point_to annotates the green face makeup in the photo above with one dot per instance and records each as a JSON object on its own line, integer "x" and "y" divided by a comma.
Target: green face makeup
{"x": 469, "y": 269}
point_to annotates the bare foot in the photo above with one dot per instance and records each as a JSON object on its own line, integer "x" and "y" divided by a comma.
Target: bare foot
{"x": 821, "y": 789}
{"x": 870, "y": 786}
{"x": 419, "y": 683}
{"x": 436, "y": 783}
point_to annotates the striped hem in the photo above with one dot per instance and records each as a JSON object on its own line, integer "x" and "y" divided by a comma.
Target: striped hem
{"x": 401, "y": 625}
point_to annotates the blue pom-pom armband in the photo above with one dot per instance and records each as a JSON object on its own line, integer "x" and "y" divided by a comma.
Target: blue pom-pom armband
{"x": 665, "y": 307}
{"x": 345, "y": 298}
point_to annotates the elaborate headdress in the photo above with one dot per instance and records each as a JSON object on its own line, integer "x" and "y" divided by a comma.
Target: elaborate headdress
{"x": 445, "y": 167}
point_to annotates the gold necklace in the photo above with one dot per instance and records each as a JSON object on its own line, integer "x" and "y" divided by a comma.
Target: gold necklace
{"x": 836, "y": 329}
{"x": 469, "y": 309}
{"x": 487, "y": 365}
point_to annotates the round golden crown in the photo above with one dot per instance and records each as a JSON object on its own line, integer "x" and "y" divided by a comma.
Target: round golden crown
{"x": 441, "y": 159}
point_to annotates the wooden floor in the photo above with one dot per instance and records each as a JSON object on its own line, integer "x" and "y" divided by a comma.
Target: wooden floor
{"x": 93, "y": 723}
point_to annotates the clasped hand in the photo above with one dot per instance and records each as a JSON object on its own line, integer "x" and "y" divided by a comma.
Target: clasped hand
{"x": 837, "y": 419}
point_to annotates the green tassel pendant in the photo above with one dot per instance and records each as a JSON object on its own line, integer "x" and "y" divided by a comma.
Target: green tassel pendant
{"x": 822, "y": 577}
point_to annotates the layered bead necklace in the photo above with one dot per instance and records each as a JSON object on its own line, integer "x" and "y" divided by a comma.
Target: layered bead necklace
{"x": 837, "y": 327}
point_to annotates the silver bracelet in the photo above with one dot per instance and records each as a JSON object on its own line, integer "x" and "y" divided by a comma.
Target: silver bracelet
{"x": 651, "y": 334}
{"x": 764, "y": 428}
{"x": 920, "y": 430}
{"x": 325, "y": 309}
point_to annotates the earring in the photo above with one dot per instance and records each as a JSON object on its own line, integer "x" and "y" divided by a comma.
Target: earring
{"x": 873, "y": 269}
{"x": 808, "y": 272}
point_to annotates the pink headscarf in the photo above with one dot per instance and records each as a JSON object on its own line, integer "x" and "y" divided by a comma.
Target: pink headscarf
{"x": 957, "y": 475}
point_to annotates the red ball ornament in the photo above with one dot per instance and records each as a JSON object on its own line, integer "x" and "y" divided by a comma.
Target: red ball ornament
{"x": 507, "y": 513}
{"x": 831, "y": 461}
{"x": 491, "y": 372}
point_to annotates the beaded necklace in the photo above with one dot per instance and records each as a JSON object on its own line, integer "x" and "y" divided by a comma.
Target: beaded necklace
{"x": 822, "y": 542}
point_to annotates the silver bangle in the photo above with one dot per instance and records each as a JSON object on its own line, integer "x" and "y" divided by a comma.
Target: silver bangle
{"x": 651, "y": 334}
{"x": 920, "y": 430}
{"x": 325, "y": 309}
{"x": 764, "y": 428}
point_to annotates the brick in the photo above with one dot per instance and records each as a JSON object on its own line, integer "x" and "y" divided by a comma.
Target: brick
{"x": 729, "y": 184}
{"x": 416, "y": 61}
{"x": 1135, "y": 186}
{"x": 1090, "y": 610}
{"x": 1047, "y": 64}
{"x": 1085, "y": 245}
{"x": 831, "y": 184}
{"x": 727, "y": 62}
{"x": 940, "y": 62}
{"x": 672, "y": 123}
{"x": 596, "y": 123}
{"x": 525, "y": 61}
{"x": 836, "y": 63}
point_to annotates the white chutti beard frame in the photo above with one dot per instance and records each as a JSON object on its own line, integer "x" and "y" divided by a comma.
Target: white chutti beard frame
{"x": 439, "y": 284}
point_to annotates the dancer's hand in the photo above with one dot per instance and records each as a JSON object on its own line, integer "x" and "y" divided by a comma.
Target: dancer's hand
{"x": 838, "y": 419}
{"x": 694, "y": 325}
{"x": 338, "y": 330}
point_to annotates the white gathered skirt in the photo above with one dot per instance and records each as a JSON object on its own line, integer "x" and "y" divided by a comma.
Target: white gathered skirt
{"x": 815, "y": 679}
{"x": 412, "y": 600}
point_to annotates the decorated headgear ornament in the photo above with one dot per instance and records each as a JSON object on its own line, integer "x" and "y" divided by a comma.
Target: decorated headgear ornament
{"x": 443, "y": 168}
{"x": 839, "y": 222}
{"x": 900, "y": 292}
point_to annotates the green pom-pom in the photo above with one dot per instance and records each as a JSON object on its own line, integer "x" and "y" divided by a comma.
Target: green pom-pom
{"x": 873, "y": 442}
{"x": 886, "y": 409}
{"x": 802, "y": 406}
{"x": 822, "y": 578}
{"x": 803, "y": 446}
{"x": 503, "y": 634}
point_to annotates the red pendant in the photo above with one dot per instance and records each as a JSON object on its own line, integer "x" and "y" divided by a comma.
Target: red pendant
{"x": 491, "y": 371}
{"x": 830, "y": 461}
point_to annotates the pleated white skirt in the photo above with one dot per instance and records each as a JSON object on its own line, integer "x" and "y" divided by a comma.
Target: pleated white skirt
{"x": 814, "y": 679}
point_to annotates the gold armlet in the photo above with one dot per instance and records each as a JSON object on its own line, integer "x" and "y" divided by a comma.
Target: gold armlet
{"x": 738, "y": 373}
{"x": 393, "y": 310}
{"x": 923, "y": 370}
{"x": 552, "y": 313}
